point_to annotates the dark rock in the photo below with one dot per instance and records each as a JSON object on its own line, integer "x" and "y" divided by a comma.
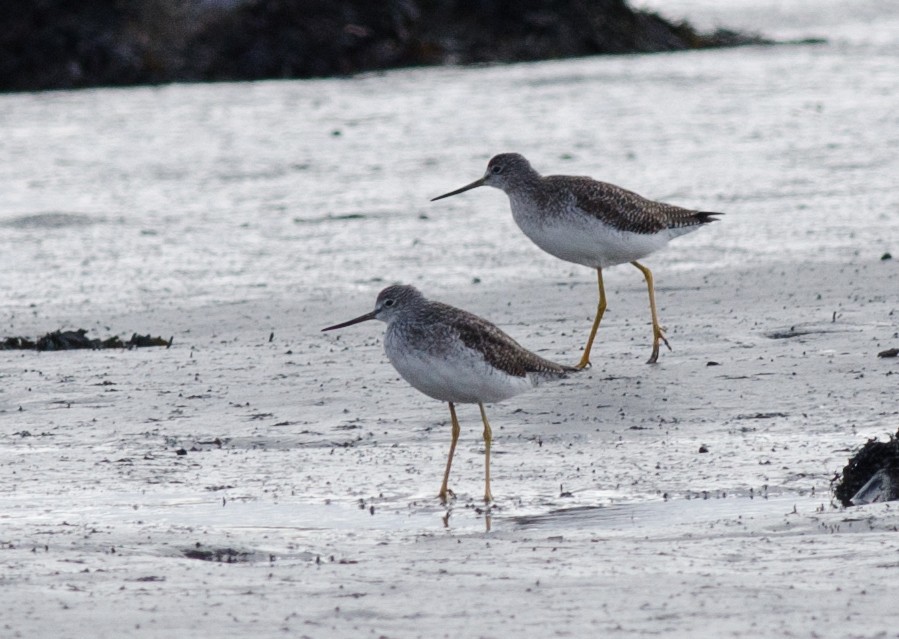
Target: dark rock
{"x": 305, "y": 38}
{"x": 58, "y": 44}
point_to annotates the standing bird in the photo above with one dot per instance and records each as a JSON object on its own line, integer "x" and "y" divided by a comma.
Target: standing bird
{"x": 582, "y": 220}
{"x": 456, "y": 357}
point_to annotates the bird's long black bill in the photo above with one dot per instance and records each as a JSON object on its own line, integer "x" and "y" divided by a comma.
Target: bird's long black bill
{"x": 468, "y": 187}
{"x": 361, "y": 318}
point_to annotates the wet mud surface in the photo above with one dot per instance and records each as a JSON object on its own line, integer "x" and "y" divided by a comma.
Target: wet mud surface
{"x": 260, "y": 478}
{"x": 303, "y": 472}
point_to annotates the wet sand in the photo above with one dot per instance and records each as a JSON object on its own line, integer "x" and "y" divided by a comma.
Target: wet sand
{"x": 262, "y": 478}
{"x": 311, "y": 469}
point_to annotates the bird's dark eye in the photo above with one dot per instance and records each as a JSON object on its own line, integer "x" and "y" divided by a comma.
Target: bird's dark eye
{"x": 496, "y": 169}
{"x": 388, "y": 303}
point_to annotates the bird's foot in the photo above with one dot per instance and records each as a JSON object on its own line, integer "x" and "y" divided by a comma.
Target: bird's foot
{"x": 584, "y": 363}
{"x": 658, "y": 336}
{"x": 662, "y": 337}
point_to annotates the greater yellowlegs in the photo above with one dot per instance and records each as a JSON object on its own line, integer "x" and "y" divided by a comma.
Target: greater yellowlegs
{"x": 455, "y": 357}
{"x": 596, "y": 224}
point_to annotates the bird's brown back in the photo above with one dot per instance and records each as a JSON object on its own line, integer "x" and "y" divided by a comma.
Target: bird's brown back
{"x": 499, "y": 350}
{"x": 623, "y": 209}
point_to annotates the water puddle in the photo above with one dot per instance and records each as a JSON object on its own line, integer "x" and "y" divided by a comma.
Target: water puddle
{"x": 663, "y": 514}
{"x": 190, "y": 511}
{"x": 247, "y": 515}
{"x": 301, "y": 516}
{"x": 48, "y": 220}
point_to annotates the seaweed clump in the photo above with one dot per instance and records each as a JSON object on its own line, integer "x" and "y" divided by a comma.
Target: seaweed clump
{"x": 71, "y": 340}
{"x": 875, "y": 463}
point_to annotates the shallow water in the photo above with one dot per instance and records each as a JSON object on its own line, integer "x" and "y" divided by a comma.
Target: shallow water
{"x": 661, "y": 517}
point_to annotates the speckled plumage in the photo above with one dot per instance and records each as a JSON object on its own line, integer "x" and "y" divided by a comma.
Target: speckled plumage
{"x": 455, "y": 356}
{"x": 438, "y": 329}
{"x": 620, "y": 208}
{"x": 585, "y": 221}
{"x": 424, "y": 338}
{"x": 561, "y": 196}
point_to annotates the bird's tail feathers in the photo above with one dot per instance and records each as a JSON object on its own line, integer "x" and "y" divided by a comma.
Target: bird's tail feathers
{"x": 704, "y": 217}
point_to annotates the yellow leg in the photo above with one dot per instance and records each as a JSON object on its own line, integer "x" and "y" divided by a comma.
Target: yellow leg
{"x": 444, "y": 491}
{"x": 488, "y": 439}
{"x": 600, "y": 310}
{"x": 657, "y": 333}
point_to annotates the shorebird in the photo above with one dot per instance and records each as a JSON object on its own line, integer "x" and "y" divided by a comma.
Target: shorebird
{"x": 455, "y": 357}
{"x": 588, "y": 222}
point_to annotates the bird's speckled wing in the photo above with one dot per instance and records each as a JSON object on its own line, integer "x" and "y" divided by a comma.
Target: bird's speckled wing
{"x": 626, "y": 210}
{"x": 500, "y": 351}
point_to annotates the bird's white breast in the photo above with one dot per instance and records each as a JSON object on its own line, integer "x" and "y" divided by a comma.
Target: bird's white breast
{"x": 459, "y": 375}
{"x": 575, "y": 236}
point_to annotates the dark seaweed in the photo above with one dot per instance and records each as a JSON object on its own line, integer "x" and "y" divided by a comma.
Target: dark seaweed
{"x": 78, "y": 339}
{"x": 870, "y": 458}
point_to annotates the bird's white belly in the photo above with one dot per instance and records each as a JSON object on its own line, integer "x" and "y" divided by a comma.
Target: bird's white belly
{"x": 461, "y": 376}
{"x": 586, "y": 240}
